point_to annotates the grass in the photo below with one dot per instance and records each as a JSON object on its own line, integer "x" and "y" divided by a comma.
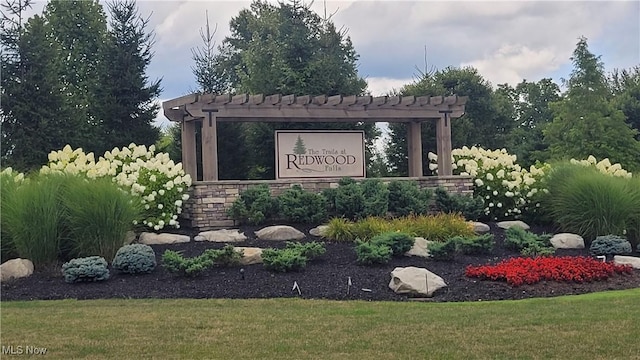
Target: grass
{"x": 594, "y": 326}
{"x": 33, "y": 218}
{"x": 438, "y": 227}
{"x": 584, "y": 201}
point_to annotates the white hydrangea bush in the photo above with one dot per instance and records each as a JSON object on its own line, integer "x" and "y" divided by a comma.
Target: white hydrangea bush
{"x": 161, "y": 184}
{"x": 506, "y": 188}
{"x": 604, "y": 166}
{"x": 17, "y": 177}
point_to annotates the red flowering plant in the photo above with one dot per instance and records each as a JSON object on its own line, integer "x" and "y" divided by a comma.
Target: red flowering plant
{"x": 519, "y": 271}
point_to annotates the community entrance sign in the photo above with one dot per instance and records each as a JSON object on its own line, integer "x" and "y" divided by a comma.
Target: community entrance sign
{"x": 318, "y": 154}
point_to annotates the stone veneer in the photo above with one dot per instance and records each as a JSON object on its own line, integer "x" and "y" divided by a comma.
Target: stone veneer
{"x": 209, "y": 200}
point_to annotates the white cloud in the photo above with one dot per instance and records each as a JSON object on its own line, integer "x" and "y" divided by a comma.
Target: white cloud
{"x": 512, "y": 63}
{"x": 379, "y": 86}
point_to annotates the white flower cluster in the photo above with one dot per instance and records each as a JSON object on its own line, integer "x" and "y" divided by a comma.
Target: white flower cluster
{"x": 604, "y": 166}
{"x": 160, "y": 183}
{"x": 18, "y": 177}
{"x": 506, "y": 188}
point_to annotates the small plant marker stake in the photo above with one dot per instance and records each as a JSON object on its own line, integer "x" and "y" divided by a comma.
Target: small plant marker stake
{"x": 295, "y": 286}
{"x": 426, "y": 280}
{"x": 349, "y": 284}
{"x": 242, "y": 274}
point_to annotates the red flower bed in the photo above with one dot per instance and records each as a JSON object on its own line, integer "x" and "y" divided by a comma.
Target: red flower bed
{"x": 518, "y": 271}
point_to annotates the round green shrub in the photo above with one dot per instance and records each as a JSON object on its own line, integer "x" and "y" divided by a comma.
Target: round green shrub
{"x": 442, "y": 251}
{"x": 610, "y": 245}
{"x": 135, "y": 259}
{"x": 398, "y": 242}
{"x": 370, "y": 253}
{"x": 283, "y": 260}
{"x": 92, "y": 268}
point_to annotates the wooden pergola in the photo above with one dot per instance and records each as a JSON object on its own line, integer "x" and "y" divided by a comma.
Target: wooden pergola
{"x": 210, "y": 109}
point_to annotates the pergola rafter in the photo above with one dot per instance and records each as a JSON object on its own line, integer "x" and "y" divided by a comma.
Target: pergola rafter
{"x": 210, "y": 109}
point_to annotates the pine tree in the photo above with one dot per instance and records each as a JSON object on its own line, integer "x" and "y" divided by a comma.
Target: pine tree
{"x": 126, "y": 104}
{"x": 586, "y": 122}
{"x": 299, "y": 148}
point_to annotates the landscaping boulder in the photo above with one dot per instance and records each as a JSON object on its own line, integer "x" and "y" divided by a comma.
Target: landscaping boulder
{"x": 507, "y": 224}
{"x": 15, "y": 268}
{"x": 319, "y": 230}
{"x": 567, "y": 241}
{"x": 250, "y": 255}
{"x": 480, "y": 228}
{"x": 420, "y": 248}
{"x": 224, "y": 235}
{"x": 162, "y": 238}
{"x": 280, "y": 233}
{"x": 627, "y": 260}
{"x": 415, "y": 281}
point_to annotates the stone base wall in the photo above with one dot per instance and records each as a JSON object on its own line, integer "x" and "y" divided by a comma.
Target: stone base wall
{"x": 209, "y": 200}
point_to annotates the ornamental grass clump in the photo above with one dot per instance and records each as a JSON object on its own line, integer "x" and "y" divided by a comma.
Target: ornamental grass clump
{"x": 33, "y": 218}
{"x": 585, "y": 201}
{"x": 160, "y": 183}
{"x": 97, "y": 214}
{"x": 9, "y": 182}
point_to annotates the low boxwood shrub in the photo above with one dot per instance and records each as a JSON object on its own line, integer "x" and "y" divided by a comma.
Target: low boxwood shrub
{"x": 283, "y": 260}
{"x": 528, "y": 243}
{"x": 299, "y": 206}
{"x": 92, "y": 268}
{"x": 174, "y": 262}
{"x": 254, "y": 206}
{"x": 406, "y": 198}
{"x": 610, "y": 245}
{"x": 135, "y": 259}
{"x": 370, "y": 253}
{"x": 398, "y": 242}
{"x": 442, "y": 251}
{"x": 472, "y": 208}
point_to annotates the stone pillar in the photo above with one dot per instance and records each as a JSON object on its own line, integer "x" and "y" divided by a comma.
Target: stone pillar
{"x": 443, "y": 143}
{"x": 209, "y": 147}
{"x": 189, "y": 149}
{"x": 414, "y": 148}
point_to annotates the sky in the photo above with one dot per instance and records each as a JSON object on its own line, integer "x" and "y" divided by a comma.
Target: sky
{"x": 507, "y": 41}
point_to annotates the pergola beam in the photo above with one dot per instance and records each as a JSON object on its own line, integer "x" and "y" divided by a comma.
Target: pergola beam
{"x": 211, "y": 109}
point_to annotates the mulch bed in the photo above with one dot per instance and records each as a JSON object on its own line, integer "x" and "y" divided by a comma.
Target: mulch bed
{"x": 324, "y": 278}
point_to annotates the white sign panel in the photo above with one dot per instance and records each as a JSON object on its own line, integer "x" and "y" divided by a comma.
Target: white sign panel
{"x": 319, "y": 154}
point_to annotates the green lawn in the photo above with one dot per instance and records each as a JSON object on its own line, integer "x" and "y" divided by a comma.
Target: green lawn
{"x": 595, "y": 326}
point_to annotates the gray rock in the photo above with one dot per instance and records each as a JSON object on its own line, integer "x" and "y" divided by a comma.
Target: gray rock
{"x": 420, "y": 248}
{"x": 507, "y": 224}
{"x": 319, "y": 230}
{"x": 224, "y": 235}
{"x": 162, "y": 238}
{"x": 250, "y": 255}
{"x": 627, "y": 260}
{"x": 567, "y": 241}
{"x": 415, "y": 281}
{"x": 480, "y": 228}
{"x": 280, "y": 233}
{"x": 15, "y": 268}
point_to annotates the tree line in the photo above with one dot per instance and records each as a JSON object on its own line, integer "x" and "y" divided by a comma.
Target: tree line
{"x": 72, "y": 76}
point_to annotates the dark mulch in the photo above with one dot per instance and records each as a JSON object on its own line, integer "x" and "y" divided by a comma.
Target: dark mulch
{"x": 324, "y": 278}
